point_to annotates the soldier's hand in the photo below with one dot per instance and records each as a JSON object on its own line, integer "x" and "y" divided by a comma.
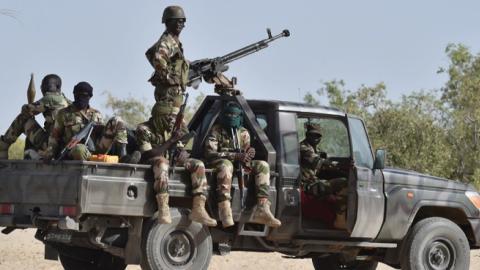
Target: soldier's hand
{"x": 26, "y": 109}
{"x": 45, "y": 155}
{"x": 242, "y": 157}
{"x": 250, "y": 153}
{"x": 182, "y": 156}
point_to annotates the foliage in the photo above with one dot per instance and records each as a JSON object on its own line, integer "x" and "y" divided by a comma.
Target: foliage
{"x": 133, "y": 111}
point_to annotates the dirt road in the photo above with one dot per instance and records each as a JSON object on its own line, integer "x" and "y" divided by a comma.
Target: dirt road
{"x": 20, "y": 251}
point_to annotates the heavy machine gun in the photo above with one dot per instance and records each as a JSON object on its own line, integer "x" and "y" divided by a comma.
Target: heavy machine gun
{"x": 209, "y": 68}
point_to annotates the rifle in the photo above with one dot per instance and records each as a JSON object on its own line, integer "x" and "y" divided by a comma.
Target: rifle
{"x": 82, "y": 134}
{"x": 213, "y": 66}
{"x": 239, "y": 168}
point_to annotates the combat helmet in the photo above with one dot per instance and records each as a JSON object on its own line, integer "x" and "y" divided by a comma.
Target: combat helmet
{"x": 173, "y": 12}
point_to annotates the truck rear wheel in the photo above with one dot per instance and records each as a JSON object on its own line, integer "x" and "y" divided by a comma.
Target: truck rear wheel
{"x": 436, "y": 243}
{"x": 183, "y": 244}
{"x": 335, "y": 262}
{"x": 76, "y": 258}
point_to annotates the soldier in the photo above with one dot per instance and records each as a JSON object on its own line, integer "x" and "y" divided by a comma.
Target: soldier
{"x": 220, "y": 154}
{"x": 312, "y": 161}
{"x": 154, "y": 133}
{"x": 166, "y": 57}
{"x": 51, "y": 102}
{"x": 75, "y": 117}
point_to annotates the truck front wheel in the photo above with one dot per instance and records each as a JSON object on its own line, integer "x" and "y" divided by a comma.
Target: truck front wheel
{"x": 76, "y": 258}
{"x": 183, "y": 244}
{"x": 436, "y": 243}
{"x": 335, "y": 262}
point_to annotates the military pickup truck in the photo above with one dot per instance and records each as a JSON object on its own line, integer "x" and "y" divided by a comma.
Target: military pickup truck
{"x": 94, "y": 215}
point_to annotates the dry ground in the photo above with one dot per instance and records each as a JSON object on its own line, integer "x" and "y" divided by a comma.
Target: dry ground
{"x": 20, "y": 251}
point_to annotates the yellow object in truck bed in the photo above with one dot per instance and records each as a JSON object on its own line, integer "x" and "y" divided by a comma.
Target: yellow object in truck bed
{"x": 104, "y": 158}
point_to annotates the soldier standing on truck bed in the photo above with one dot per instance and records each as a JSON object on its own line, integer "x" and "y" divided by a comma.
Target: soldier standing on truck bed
{"x": 155, "y": 132}
{"x": 72, "y": 119}
{"x": 166, "y": 57}
{"x": 52, "y": 101}
{"x": 311, "y": 163}
{"x": 221, "y": 152}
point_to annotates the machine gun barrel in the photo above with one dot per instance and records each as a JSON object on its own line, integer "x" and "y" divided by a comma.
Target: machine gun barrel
{"x": 213, "y": 66}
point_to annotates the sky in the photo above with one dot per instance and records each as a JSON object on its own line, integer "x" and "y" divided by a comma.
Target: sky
{"x": 400, "y": 43}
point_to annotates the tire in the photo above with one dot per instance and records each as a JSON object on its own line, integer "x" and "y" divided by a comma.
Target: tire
{"x": 333, "y": 262}
{"x": 76, "y": 258}
{"x": 436, "y": 243}
{"x": 183, "y": 244}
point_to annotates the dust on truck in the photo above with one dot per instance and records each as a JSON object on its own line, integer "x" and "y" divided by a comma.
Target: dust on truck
{"x": 93, "y": 215}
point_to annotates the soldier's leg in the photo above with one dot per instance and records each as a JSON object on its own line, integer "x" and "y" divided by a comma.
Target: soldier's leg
{"x": 160, "y": 186}
{"x": 224, "y": 171}
{"x": 339, "y": 188}
{"x": 114, "y": 137}
{"x": 17, "y": 127}
{"x": 261, "y": 213}
{"x": 199, "y": 192}
{"x": 80, "y": 152}
{"x": 37, "y": 139}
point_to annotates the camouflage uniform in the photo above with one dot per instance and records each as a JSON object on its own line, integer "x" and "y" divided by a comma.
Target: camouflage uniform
{"x": 150, "y": 135}
{"x": 220, "y": 153}
{"x": 171, "y": 69}
{"x": 71, "y": 120}
{"x": 311, "y": 163}
{"x": 25, "y": 122}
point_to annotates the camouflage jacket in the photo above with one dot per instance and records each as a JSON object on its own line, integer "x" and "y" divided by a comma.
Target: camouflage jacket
{"x": 310, "y": 162}
{"x": 219, "y": 143}
{"x": 48, "y": 105}
{"x": 68, "y": 123}
{"x": 166, "y": 57}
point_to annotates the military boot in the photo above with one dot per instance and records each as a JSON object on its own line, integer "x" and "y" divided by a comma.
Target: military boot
{"x": 262, "y": 215}
{"x": 199, "y": 214}
{"x": 225, "y": 213}
{"x": 3, "y": 148}
{"x": 163, "y": 209}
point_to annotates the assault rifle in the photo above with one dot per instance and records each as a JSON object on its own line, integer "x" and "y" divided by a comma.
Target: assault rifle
{"x": 166, "y": 146}
{"x": 210, "y": 67}
{"x": 82, "y": 134}
{"x": 239, "y": 168}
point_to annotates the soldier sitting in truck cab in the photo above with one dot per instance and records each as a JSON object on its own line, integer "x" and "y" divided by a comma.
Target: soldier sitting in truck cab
{"x": 311, "y": 163}
{"x": 228, "y": 143}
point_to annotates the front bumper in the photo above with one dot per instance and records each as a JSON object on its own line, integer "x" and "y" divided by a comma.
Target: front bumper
{"x": 475, "y": 223}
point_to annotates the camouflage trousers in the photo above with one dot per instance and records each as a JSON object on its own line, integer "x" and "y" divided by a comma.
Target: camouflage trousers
{"x": 114, "y": 132}
{"x": 224, "y": 171}
{"x": 324, "y": 189}
{"x": 26, "y": 124}
{"x": 169, "y": 94}
{"x": 195, "y": 167}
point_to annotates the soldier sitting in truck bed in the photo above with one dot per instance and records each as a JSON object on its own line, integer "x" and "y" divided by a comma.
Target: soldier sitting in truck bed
{"x": 229, "y": 142}
{"x": 111, "y": 138}
{"x": 155, "y": 132}
{"x": 52, "y": 101}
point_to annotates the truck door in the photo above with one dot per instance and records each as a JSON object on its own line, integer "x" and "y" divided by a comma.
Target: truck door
{"x": 366, "y": 190}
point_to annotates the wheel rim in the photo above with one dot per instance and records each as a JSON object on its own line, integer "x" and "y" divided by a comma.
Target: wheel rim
{"x": 178, "y": 248}
{"x": 440, "y": 255}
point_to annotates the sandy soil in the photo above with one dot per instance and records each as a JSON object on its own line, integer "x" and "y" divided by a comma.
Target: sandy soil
{"x": 20, "y": 251}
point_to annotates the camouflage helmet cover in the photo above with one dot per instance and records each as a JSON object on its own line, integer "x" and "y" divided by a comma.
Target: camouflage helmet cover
{"x": 173, "y": 12}
{"x": 313, "y": 128}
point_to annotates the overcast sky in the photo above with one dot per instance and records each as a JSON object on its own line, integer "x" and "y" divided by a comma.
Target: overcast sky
{"x": 401, "y": 43}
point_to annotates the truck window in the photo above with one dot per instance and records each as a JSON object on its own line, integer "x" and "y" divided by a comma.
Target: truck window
{"x": 334, "y": 135}
{"x": 362, "y": 153}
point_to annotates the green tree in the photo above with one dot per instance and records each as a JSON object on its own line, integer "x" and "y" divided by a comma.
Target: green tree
{"x": 133, "y": 111}
{"x": 16, "y": 150}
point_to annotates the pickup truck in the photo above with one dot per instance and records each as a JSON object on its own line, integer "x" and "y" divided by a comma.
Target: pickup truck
{"x": 94, "y": 215}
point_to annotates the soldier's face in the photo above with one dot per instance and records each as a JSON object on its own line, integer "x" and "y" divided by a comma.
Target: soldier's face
{"x": 171, "y": 121}
{"x": 175, "y": 26}
{"x": 314, "y": 138}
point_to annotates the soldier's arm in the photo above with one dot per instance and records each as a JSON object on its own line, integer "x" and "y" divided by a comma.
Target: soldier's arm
{"x": 310, "y": 158}
{"x": 34, "y": 108}
{"x": 211, "y": 148}
{"x": 159, "y": 57}
{"x": 56, "y": 136}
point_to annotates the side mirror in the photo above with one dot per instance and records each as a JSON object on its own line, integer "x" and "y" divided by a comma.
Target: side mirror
{"x": 379, "y": 163}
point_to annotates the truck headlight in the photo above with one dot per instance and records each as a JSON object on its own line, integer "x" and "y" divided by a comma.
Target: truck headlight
{"x": 474, "y": 197}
